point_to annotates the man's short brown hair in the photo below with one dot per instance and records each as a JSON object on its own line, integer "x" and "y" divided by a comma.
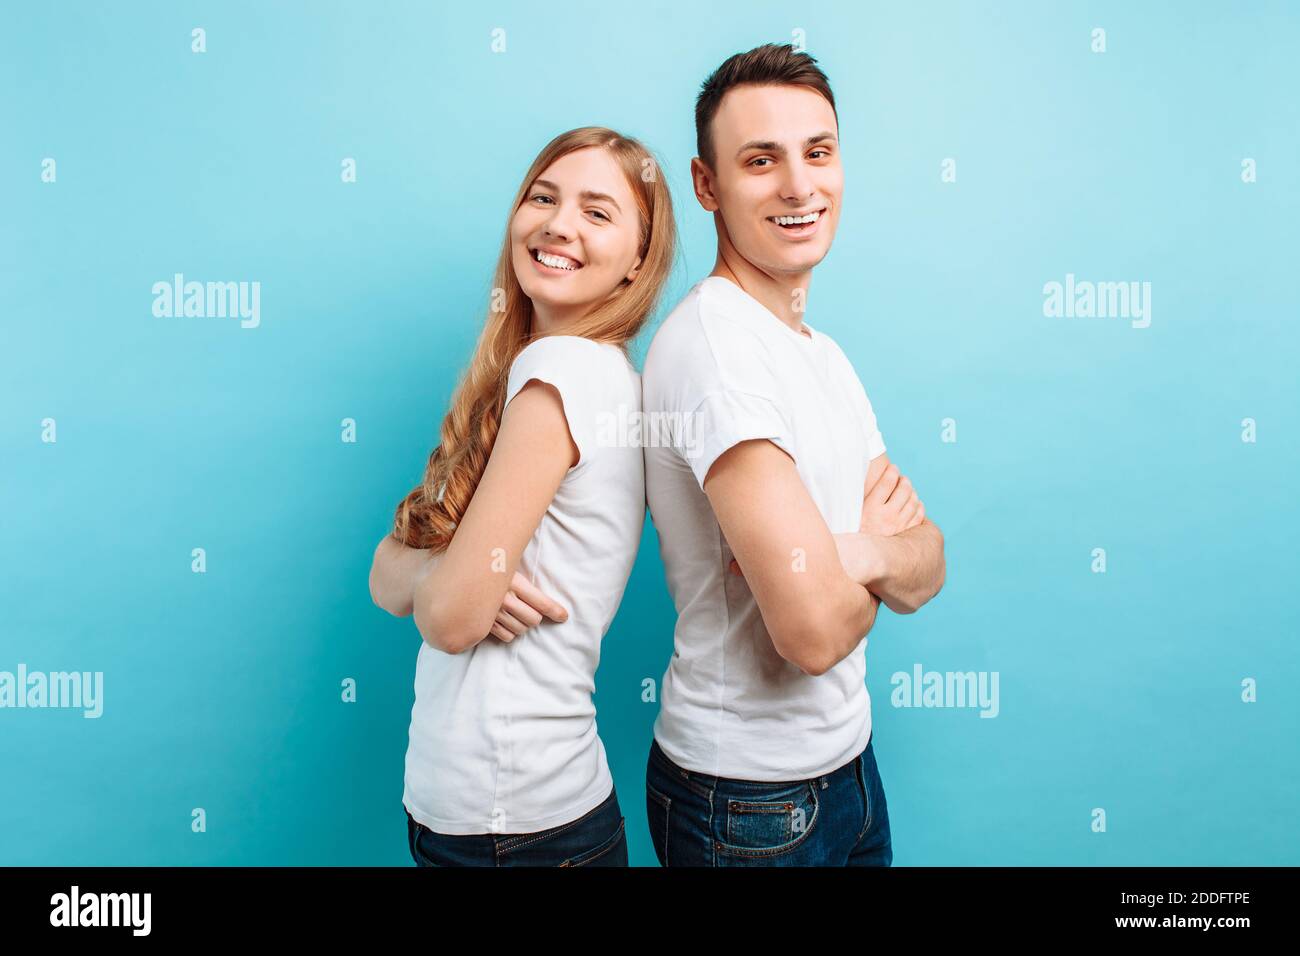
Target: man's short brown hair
{"x": 771, "y": 64}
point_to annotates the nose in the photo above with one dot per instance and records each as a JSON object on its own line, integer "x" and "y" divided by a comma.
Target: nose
{"x": 560, "y": 225}
{"x": 797, "y": 185}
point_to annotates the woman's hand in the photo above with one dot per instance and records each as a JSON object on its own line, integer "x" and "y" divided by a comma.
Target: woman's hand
{"x": 524, "y": 607}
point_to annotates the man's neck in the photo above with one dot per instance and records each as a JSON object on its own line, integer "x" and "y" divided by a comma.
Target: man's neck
{"x": 785, "y": 296}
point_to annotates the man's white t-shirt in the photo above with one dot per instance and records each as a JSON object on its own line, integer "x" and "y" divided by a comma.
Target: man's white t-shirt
{"x": 503, "y": 736}
{"x": 723, "y": 369}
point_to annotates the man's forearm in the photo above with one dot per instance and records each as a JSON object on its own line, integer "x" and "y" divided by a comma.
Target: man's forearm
{"x": 904, "y": 570}
{"x": 861, "y": 615}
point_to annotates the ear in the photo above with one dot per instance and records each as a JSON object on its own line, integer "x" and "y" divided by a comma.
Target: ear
{"x": 636, "y": 268}
{"x": 702, "y": 179}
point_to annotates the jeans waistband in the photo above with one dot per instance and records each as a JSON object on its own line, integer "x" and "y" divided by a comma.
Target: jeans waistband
{"x": 712, "y": 780}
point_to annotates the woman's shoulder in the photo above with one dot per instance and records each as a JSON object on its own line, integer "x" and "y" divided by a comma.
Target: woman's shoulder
{"x": 590, "y": 373}
{"x": 587, "y": 358}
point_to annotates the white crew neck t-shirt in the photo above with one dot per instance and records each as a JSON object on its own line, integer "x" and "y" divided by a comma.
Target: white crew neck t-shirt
{"x": 503, "y": 736}
{"x": 725, "y": 369}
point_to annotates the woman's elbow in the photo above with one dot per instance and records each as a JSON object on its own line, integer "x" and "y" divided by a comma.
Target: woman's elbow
{"x": 395, "y": 604}
{"x": 451, "y": 636}
{"x": 381, "y": 599}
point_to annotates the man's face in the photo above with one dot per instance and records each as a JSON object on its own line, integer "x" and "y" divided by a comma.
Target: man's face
{"x": 776, "y": 156}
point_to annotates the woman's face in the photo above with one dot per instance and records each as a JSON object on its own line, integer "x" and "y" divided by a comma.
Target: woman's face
{"x": 575, "y": 238}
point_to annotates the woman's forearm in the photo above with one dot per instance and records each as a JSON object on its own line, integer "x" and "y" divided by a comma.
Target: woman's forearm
{"x": 394, "y": 574}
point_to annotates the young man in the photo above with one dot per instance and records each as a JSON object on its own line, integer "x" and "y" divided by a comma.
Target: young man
{"x": 781, "y": 522}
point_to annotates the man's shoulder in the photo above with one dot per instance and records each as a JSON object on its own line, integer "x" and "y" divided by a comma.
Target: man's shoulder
{"x": 704, "y": 329}
{"x": 833, "y": 349}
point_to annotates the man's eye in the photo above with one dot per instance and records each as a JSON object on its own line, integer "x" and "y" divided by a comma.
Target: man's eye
{"x": 823, "y": 152}
{"x": 761, "y": 159}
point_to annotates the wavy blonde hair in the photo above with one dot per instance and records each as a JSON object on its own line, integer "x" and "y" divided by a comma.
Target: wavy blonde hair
{"x": 427, "y": 517}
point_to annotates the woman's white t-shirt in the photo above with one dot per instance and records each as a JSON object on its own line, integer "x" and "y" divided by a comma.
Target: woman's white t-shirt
{"x": 503, "y": 736}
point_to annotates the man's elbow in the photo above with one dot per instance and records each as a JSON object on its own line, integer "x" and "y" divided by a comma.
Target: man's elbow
{"x": 943, "y": 567}
{"x": 932, "y": 593}
{"x": 943, "y": 576}
{"x": 813, "y": 646}
{"x": 914, "y": 602}
{"x": 811, "y": 655}
{"x": 816, "y": 666}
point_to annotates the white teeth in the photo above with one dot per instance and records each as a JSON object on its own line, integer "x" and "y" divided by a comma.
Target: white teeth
{"x": 796, "y": 220}
{"x": 555, "y": 262}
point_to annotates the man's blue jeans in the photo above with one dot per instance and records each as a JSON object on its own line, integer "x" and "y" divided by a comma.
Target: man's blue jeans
{"x": 839, "y": 819}
{"x": 597, "y": 838}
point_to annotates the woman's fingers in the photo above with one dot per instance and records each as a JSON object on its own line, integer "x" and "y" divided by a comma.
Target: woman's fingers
{"x": 520, "y": 610}
{"x": 539, "y": 601}
{"x": 510, "y": 622}
{"x": 524, "y": 607}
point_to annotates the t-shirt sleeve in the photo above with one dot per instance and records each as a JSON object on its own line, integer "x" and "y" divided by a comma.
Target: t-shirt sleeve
{"x": 725, "y": 418}
{"x": 875, "y": 440}
{"x": 566, "y": 362}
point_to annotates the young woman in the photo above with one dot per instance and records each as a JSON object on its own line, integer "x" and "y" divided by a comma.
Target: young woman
{"x": 514, "y": 551}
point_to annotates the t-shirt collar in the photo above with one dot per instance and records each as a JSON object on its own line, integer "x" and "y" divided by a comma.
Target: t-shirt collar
{"x": 737, "y": 290}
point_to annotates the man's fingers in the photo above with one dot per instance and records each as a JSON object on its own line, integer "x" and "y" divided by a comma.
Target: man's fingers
{"x": 901, "y": 491}
{"x": 535, "y": 598}
{"x": 884, "y": 485}
{"x": 910, "y": 512}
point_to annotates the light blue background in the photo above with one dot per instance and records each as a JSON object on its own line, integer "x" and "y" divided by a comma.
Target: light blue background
{"x": 222, "y": 690}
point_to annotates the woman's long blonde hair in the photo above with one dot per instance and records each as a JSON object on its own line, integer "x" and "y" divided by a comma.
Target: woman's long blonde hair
{"x": 427, "y": 517}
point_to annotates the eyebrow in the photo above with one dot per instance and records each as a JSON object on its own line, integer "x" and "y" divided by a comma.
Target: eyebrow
{"x": 769, "y": 146}
{"x": 586, "y": 195}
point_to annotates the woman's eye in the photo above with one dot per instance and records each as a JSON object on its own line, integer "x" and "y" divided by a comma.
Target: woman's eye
{"x": 542, "y": 196}
{"x": 597, "y": 212}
